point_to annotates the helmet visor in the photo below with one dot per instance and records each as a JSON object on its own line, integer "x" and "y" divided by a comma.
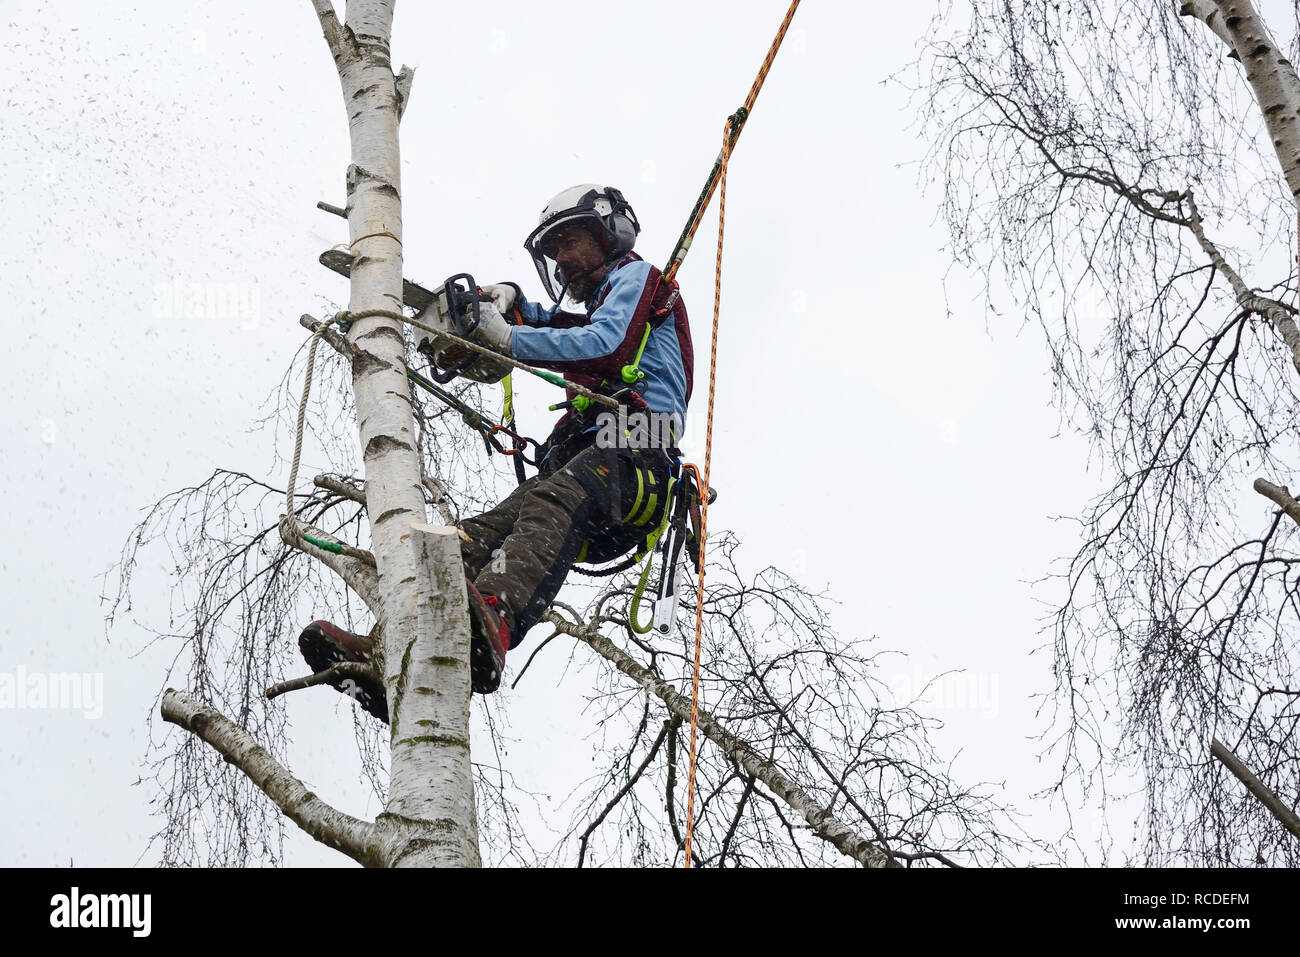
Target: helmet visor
{"x": 540, "y": 244}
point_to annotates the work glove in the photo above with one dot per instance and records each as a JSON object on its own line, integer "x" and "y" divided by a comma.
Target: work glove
{"x": 503, "y": 296}
{"x": 493, "y": 331}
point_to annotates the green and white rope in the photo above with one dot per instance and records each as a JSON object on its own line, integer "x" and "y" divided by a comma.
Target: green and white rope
{"x": 337, "y": 548}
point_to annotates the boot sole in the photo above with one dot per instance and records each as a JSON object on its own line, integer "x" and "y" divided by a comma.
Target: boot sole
{"x": 484, "y": 669}
{"x": 320, "y": 652}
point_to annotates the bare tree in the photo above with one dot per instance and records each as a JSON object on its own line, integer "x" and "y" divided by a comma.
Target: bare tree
{"x": 797, "y": 717}
{"x": 411, "y": 580}
{"x": 804, "y": 760}
{"x": 1127, "y": 173}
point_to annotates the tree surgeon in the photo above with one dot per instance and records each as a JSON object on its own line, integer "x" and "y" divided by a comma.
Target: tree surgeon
{"x": 602, "y": 479}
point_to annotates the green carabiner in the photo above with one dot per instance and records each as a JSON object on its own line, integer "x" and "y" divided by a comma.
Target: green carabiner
{"x": 631, "y": 373}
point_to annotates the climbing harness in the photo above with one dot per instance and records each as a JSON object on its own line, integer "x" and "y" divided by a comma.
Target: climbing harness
{"x": 671, "y": 534}
{"x": 650, "y": 543}
{"x": 631, "y": 375}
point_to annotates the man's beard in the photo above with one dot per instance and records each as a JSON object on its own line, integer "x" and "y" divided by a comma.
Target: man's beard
{"x": 585, "y": 283}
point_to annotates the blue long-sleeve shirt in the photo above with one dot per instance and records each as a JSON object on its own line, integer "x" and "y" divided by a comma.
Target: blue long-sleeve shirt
{"x": 594, "y": 348}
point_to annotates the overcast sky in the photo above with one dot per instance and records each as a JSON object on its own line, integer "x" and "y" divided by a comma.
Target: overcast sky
{"x": 877, "y": 433}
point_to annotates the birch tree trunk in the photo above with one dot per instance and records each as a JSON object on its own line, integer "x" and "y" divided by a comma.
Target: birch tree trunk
{"x": 1273, "y": 79}
{"x": 1271, "y": 76}
{"x": 424, "y": 629}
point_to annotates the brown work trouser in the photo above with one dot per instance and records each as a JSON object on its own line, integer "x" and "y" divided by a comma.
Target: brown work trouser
{"x": 521, "y": 550}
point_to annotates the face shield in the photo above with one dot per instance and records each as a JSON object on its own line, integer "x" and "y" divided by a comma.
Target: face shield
{"x": 540, "y": 244}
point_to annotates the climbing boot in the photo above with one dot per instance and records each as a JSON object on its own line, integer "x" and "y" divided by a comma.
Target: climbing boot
{"x": 490, "y": 641}
{"x": 323, "y": 644}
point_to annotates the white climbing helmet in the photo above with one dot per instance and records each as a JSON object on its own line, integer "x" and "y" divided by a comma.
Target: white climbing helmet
{"x": 602, "y": 207}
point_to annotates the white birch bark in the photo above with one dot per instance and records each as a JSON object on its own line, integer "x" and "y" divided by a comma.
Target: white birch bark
{"x": 1247, "y": 298}
{"x": 1271, "y": 76}
{"x": 1275, "y": 805}
{"x": 359, "y": 840}
{"x": 390, "y": 841}
{"x": 431, "y": 775}
{"x": 430, "y": 793}
{"x": 413, "y": 580}
{"x": 1208, "y": 13}
{"x": 1276, "y": 87}
{"x": 357, "y": 573}
{"x": 1281, "y": 497}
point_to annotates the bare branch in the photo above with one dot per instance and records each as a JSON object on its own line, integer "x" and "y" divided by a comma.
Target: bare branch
{"x": 354, "y": 565}
{"x": 622, "y": 791}
{"x": 524, "y": 670}
{"x": 354, "y": 837}
{"x": 1060, "y": 130}
{"x": 823, "y": 823}
{"x": 1270, "y": 309}
{"x": 439, "y": 493}
{"x": 338, "y": 342}
{"x": 1281, "y": 496}
{"x": 330, "y": 26}
{"x": 735, "y": 819}
{"x": 670, "y": 792}
{"x": 1270, "y": 800}
{"x": 345, "y": 489}
{"x": 340, "y": 669}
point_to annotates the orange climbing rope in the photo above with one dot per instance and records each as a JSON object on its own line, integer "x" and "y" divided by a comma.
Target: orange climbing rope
{"x": 736, "y": 121}
{"x": 729, "y": 136}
